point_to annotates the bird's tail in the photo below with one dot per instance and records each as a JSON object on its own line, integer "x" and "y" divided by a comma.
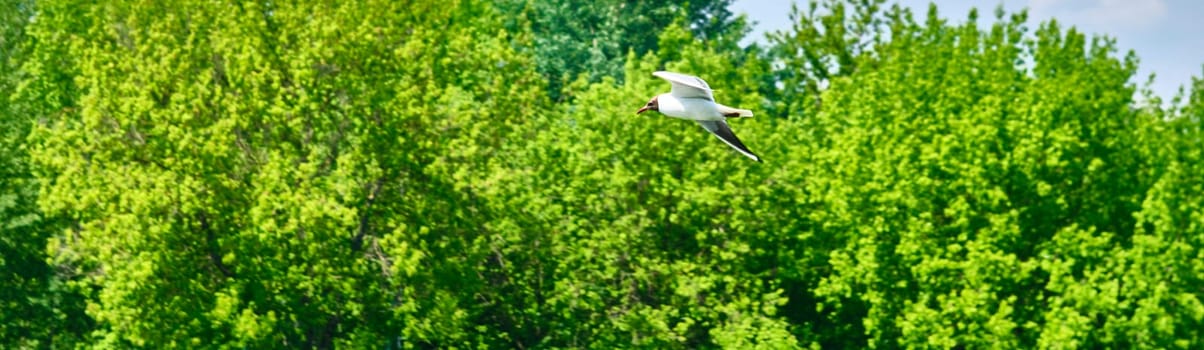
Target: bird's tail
{"x": 734, "y": 112}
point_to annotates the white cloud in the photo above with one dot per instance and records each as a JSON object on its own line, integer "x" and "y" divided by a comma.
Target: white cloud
{"x": 1103, "y": 14}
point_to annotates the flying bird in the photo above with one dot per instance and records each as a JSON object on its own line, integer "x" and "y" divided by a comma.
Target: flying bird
{"x": 691, "y": 98}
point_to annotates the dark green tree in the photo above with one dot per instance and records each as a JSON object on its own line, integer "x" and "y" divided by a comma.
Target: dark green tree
{"x": 37, "y": 308}
{"x": 828, "y": 39}
{"x": 573, "y": 37}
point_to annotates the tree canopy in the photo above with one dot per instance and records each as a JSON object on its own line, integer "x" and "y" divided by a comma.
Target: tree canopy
{"x": 466, "y": 174}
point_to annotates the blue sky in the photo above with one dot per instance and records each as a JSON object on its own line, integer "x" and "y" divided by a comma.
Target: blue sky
{"x": 1167, "y": 35}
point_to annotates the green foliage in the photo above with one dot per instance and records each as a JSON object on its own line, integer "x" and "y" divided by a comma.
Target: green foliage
{"x": 574, "y": 37}
{"x": 261, "y": 174}
{"x": 647, "y": 246}
{"x": 36, "y": 307}
{"x": 472, "y": 175}
{"x": 829, "y": 39}
{"x": 977, "y": 202}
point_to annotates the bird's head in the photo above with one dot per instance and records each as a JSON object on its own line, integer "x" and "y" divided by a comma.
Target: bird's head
{"x": 651, "y": 106}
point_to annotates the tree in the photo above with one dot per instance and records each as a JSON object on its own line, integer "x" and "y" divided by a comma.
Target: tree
{"x": 830, "y": 39}
{"x": 37, "y": 308}
{"x": 1159, "y": 286}
{"x": 383, "y": 174}
{"x": 573, "y": 37}
{"x": 271, "y": 174}
{"x": 980, "y": 188}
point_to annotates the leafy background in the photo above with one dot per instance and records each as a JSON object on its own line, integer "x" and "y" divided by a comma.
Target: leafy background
{"x": 418, "y": 174}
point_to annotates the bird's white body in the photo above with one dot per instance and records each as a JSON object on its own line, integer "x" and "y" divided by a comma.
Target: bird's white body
{"x": 689, "y": 108}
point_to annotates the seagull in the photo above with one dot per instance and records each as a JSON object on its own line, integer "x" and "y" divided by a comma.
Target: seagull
{"x": 690, "y": 98}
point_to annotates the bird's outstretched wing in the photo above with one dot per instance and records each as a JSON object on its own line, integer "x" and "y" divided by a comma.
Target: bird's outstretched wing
{"x": 721, "y": 130}
{"x": 686, "y": 86}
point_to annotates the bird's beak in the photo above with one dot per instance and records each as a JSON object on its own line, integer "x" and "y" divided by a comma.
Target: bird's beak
{"x": 642, "y": 110}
